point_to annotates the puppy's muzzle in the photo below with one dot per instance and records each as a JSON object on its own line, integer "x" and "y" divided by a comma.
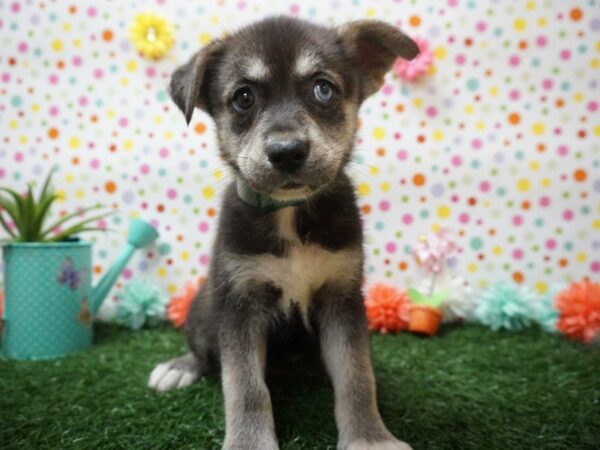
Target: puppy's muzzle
{"x": 288, "y": 155}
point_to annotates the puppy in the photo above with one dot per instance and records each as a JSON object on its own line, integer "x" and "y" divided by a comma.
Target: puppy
{"x": 285, "y": 95}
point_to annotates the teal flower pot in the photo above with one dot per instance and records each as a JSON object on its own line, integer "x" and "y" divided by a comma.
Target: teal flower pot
{"x": 47, "y": 290}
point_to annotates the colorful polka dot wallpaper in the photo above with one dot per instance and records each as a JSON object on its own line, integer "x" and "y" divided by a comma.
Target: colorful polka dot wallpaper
{"x": 499, "y": 141}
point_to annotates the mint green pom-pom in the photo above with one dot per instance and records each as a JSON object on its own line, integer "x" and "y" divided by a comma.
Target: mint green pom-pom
{"x": 504, "y": 306}
{"x": 141, "y": 303}
{"x": 544, "y": 311}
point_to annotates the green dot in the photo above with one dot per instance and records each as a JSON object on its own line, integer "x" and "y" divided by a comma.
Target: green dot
{"x": 476, "y": 243}
{"x": 164, "y": 249}
{"x": 16, "y": 101}
{"x": 472, "y": 84}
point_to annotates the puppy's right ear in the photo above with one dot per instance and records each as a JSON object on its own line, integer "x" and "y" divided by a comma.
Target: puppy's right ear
{"x": 189, "y": 83}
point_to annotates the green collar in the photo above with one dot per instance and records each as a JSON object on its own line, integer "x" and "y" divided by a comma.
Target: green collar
{"x": 262, "y": 201}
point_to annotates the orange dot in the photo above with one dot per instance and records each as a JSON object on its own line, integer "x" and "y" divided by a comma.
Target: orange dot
{"x": 110, "y": 187}
{"x": 200, "y": 128}
{"x": 415, "y": 21}
{"x": 97, "y": 269}
{"x": 403, "y": 265}
{"x": 75, "y": 160}
{"x": 52, "y": 133}
{"x": 526, "y": 205}
{"x": 563, "y": 262}
{"x": 576, "y": 14}
{"x": 514, "y": 118}
{"x": 380, "y": 151}
{"x": 559, "y": 103}
{"x": 107, "y": 35}
{"x": 366, "y": 209}
{"x": 212, "y": 212}
{"x": 580, "y": 175}
{"x": 522, "y": 45}
{"x": 418, "y": 179}
{"x": 399, "y": 107}
{"x": 518, "y": 277}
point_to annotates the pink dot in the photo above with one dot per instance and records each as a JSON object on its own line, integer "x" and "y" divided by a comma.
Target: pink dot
{"x": 91, "y": 11}
{"x": 15, "y": 7}
{"x": 2, "y": 172}
{"x": 452, "y": 3}
{"x": 145, "y": 169}
{"x": 95, "y": 163}
{"x": 98, "y": 73}
{"x": 127, "y": 273}
{"x": 518, "y": 254}
{"x": 456, "y": 161}
{"x": 82, "y": 101}
{"x": 163, "y": 152}
{"x": 171, "y": 193}
{"x": 595, "y": 266}
{"x": 568, "y": 215}
{"x": 517, "y": 220}
{"x": 541, "y": 41}
{"x": 204, "y": 259}
{"x": 390, "y": 247}
{"x": 563, "y": 150}
{"x": 388, "y": 89}
{"x": 550, "y": 244}
{"x": 76, "y": 61}
{"x": 592, "y": 106}
{"x": 407, "y": 219}
{"x": 565, "y": 54}
{"x": 547, "y": 84}
{"x": 514, "y": 60}
{"x": 481, "y": 26}
{"x": 6, "y": 77}
{"x": 464, "y": 218}
{"x": 294, "y": 8}
{"x": 460, "y": 59}
{"x": 18, "y": 157}
{"x": 384, "y": 205}
{"x": 401, "y": 155}
{"x": 54, "y": 110}
{"x": 514, "y": 94}
{"x": 485, "y": 186}
{"x": 22, "y": 47}
{"x": 544, "y": 201}
{"x": 53, "y": 79}
{"x": 431, "y": 111}
{"x": 203, "y": 227}
{"x": 123, "y": 121}
{"x": 476, "y": 143}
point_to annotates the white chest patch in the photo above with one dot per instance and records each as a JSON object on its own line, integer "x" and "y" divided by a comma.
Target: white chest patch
{"x": 302, "y": 271}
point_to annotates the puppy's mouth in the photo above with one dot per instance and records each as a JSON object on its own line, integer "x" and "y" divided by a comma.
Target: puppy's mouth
{"x": 292, "y": 185}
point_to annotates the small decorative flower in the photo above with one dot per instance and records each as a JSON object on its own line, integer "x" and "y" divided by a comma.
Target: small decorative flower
{"x": 151, "y": 35}
{"x": 69, "y": 275}
{"x": 388, "y": 309}
{"x": 434, "y": 250}
{"x": 505, "y": 306}
{"x": 141, "y": 303}
{"x": 579, "y": 311}
{"x": 411, "y": 70}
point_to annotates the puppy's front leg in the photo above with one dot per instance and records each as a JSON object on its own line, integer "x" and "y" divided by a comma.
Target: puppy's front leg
{"x": 248, "y": 414}
{"x": 345, "y": 349}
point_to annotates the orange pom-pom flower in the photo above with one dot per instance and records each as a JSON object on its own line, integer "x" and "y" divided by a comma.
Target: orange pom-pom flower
{"x": 179, "y": 305}
{"x": 388, "y": 309}
{"x": 579, "y": 311}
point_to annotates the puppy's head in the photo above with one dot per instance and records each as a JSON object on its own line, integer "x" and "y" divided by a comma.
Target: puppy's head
{"x": 285, "y": 94}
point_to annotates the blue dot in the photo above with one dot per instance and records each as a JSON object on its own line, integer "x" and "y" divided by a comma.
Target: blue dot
{"x": 472, "y": 84}
{"x": 16, "y": 101}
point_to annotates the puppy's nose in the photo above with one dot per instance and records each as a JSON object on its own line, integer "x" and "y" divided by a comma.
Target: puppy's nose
{"x": 289, "y": 155}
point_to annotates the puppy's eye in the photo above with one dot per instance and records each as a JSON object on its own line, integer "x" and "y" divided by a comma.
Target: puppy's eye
{"x": 323, "y": 91}
{"x": 243, "y": 99}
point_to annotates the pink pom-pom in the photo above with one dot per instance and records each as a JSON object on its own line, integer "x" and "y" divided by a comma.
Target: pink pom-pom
{"x": 411, "y": 70}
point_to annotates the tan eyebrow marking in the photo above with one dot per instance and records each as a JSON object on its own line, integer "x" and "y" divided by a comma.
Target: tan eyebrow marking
{"x": 255, "y": 69}
{"x": 306, "y": 63}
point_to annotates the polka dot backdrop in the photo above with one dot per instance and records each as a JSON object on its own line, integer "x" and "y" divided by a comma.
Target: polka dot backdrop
{"x": 500, "y": 142}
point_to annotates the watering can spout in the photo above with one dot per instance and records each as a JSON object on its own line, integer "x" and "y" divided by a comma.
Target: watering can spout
{"x": 140, "y": 234}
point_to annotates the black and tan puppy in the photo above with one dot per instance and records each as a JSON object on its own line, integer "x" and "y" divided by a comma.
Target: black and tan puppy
{"x": 284, "y": 95}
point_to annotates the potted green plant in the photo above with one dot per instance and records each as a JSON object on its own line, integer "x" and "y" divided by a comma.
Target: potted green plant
{"x": 49, "y": 300}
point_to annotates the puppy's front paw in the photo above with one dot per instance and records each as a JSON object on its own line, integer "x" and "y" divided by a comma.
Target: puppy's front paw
{"x": 262, "y": 441}
{"x": 390, "y": 444}
{"x": 176, "y": 373}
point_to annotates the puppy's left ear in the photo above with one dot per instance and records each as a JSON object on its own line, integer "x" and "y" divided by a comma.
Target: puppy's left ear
{"x": 189, "y": 83}
{"x": 374, "y": 46}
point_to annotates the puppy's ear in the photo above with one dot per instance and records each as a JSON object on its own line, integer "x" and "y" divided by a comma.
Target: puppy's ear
{"x": 374, "y": 46}
{"x": 189, "y": 83}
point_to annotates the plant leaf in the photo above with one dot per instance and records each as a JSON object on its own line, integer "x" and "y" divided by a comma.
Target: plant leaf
{"x": 17, "y": 213}
{"x": 64, "y": 235}
{"x": 46, "y": 186}
{"x": 29, "y": 219}
{"x": 78, "y": 227}
{"x": 42, "y": 213}
{"x": 416, "y": 296}
{"x": 68, "y": 217}
{"x": 10, "y": 232}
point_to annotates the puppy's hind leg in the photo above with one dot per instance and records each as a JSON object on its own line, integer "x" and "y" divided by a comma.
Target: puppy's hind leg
{"x": 176, "y": 373}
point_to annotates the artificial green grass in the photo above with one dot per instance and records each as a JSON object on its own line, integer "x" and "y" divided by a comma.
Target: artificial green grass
{"x": 468, "y": 388}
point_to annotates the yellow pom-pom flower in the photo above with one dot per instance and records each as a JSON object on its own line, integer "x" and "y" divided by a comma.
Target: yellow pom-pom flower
{"x": 151, "y": 35}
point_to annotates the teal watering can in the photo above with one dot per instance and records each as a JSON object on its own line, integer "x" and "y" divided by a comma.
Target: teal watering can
{"x": 49, "y": 299}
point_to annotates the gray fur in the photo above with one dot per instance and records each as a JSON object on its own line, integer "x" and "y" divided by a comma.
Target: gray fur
{"x": 298, "y": 268}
